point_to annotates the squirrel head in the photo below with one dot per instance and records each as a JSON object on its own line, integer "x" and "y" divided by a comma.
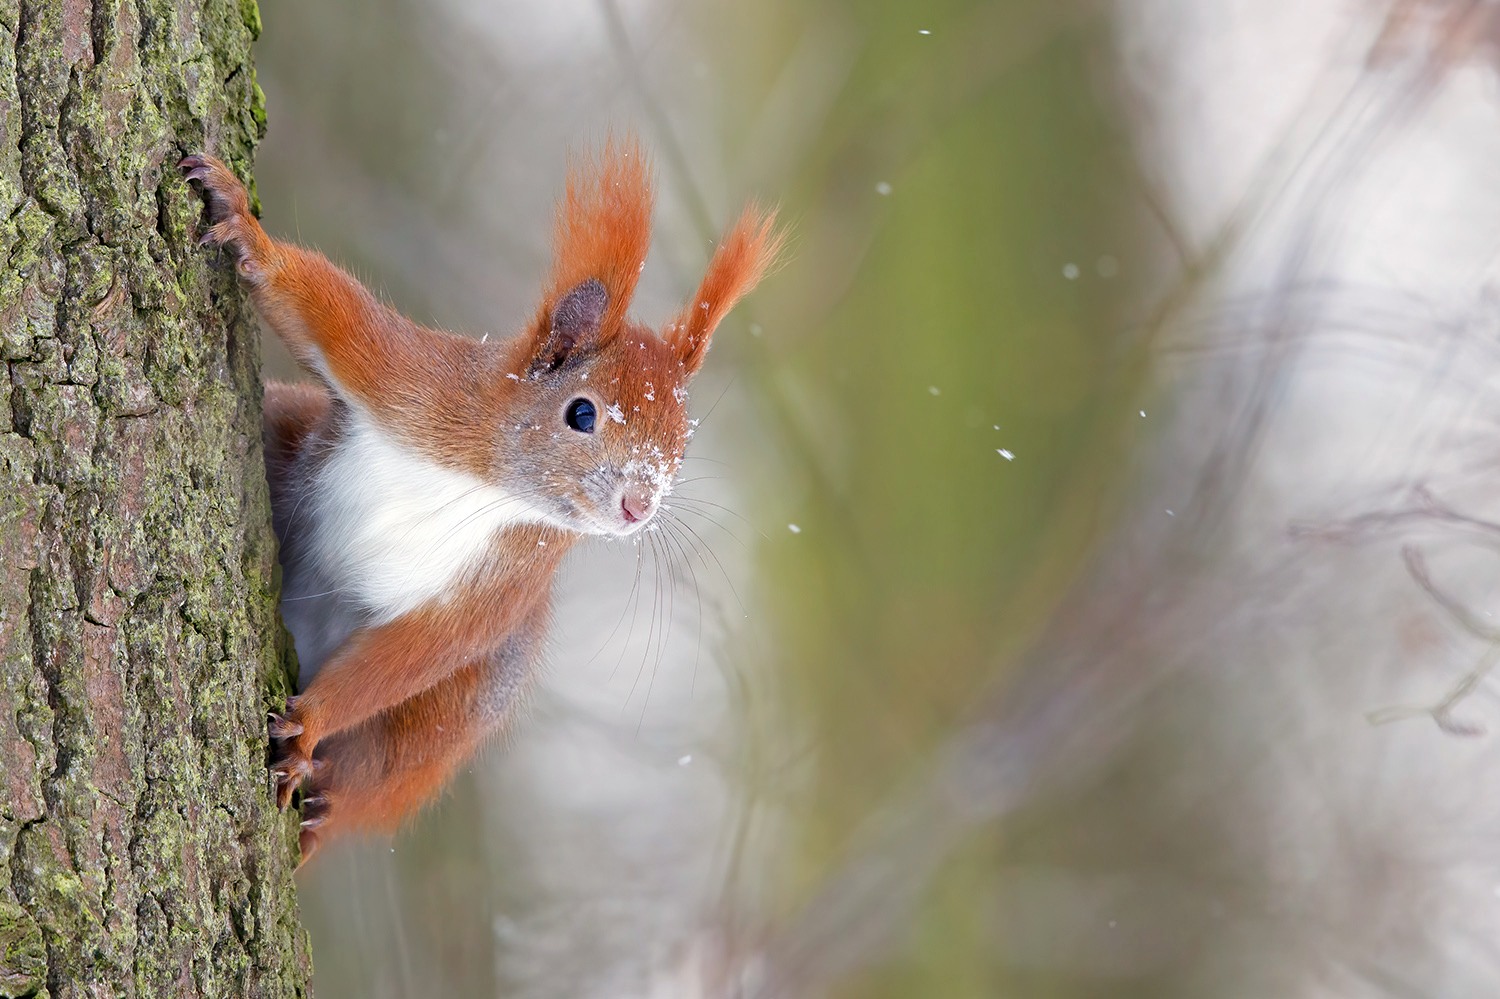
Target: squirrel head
{"x": 600, "y": 401}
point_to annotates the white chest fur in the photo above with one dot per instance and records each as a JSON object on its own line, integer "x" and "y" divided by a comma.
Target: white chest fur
{"x": 391, "y": 531}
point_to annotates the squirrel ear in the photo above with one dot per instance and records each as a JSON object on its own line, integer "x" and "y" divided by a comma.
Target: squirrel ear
{"x": 747, "y": 251}
{"x": 602, "y": 231}
{"x": 571, "y": 325}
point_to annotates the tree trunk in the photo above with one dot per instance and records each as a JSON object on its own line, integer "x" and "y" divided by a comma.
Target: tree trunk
{"x": 140, "y": 851}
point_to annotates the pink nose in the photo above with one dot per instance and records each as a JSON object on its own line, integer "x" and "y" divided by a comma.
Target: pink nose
{"x": 636, "y": 505}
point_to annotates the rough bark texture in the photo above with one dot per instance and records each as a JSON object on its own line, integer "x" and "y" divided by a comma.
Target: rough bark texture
{"x": 140, "y": 852}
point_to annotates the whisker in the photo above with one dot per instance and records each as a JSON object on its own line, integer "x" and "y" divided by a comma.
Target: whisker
{"x": 634, "y": 613}
{"x": 623, "y": 608}
{"x": 673, "y": 532}
{"x": 715, "y": 522}
{"x": 669, "y": 616}
{"x": 727, "y": 386}
{"x": 702, "y": 546}
{"x": 651, "y": 632}
{"x": 720, "y": 506}
{"x": 313, "y": 596}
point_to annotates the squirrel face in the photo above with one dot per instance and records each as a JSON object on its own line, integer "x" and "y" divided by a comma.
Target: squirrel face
{"x": 600, "y": 437}
{"x": 594, "y": 405}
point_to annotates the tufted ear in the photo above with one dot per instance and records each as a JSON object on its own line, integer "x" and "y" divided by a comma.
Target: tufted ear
{"x": 742, "y": 259}
{"x": 599, "y": 244}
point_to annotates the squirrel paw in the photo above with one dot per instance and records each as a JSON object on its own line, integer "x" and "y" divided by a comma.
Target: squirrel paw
{"x": 316, "y": 811}
{"x": 291, "y": 761}
{"x": 231, "y": 226}
{"x": 282, "y": 727}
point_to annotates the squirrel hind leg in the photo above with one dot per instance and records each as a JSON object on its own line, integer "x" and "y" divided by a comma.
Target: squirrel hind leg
{"x": 293, "y": 411}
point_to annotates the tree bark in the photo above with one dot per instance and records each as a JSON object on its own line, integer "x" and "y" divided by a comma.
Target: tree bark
{"x": 140, "y": 850}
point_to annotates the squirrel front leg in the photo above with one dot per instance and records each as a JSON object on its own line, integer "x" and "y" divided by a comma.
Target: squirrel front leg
{"x": 372, "y": 776}
{"x": 337, "y": 330}
{"x": 379, "y": 667}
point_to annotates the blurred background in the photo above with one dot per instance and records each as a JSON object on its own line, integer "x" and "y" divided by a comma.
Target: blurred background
{"x": 1083, "y": 581}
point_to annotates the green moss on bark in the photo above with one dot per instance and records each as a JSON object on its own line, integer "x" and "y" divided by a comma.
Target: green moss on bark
{"x": 140, "y": 850}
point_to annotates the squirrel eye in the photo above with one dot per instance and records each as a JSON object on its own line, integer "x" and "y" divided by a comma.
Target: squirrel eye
{"x": 580, "y": 416}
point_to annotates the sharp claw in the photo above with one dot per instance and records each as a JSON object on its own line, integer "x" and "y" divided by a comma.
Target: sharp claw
{"x": 313, "y": 822}
{"x": 313, "y": 801}
{"x": 284, "y": 728}
{"x": 198, "y": 173}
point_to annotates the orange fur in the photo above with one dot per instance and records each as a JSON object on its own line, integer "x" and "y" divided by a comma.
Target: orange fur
{"x": 742, "y": 259}
{"x": 292, "y": 414}
{"x": 603, "y": 229}
{"x": 374, "y": 775}
{"x": 396, "y": 706}
{"x": 381, "y": 666}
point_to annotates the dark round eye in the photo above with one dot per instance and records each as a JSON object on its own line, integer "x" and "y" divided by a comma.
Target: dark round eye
{"x": 580, "y": 416}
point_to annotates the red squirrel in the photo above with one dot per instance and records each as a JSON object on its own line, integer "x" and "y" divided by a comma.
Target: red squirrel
{"x": 426, "y": 488}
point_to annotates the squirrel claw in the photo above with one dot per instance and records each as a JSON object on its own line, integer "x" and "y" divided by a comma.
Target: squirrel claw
{"x": 289, "y": 769}
{"x": 286, "y": 785}
{"x": 316, "y": 811}
{"x": 282, "y": 727}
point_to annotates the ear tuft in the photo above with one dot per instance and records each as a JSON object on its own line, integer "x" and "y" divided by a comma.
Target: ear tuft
{"x": 603, "y": 230}
{"x": 747, "y": 251}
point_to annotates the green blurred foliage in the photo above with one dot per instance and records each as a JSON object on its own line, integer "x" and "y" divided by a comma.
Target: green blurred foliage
{"x": 989, "y": 294}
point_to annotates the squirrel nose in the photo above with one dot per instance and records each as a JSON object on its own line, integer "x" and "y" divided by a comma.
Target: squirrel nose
{"x": 636, "y": 504}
